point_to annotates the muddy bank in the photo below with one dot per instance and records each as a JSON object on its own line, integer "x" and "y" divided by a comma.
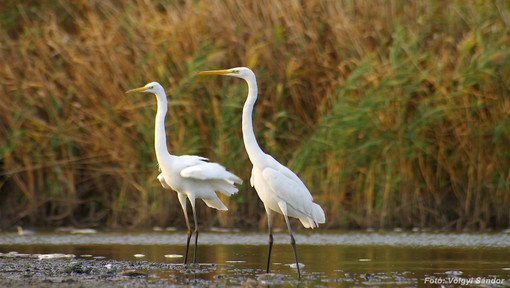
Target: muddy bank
{"x": 74, "y": 272}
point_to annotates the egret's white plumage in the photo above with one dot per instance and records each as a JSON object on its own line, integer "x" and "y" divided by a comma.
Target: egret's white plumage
{"x": 190, "y": 176}
{"x": 278, "y": 187}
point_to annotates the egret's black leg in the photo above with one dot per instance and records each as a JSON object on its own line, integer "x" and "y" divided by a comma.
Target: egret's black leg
{"x": 196, "y": 233}
{"x": 182, "y": 200}
{"x": 270, "y": 228}
{"x": 270, "y": 248}
{"x": 187, "y": 242}
{"x": 283, "y": 208}
{"x": 293, "y": 243}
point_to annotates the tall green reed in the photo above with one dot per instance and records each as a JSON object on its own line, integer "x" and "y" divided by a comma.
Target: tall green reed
{"x": 393, "y": 113}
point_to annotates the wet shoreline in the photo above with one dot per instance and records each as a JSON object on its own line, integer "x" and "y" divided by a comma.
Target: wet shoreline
{"x": 76, "y": 272}
{"x": 30, "y": 272}
{"x": 236, "y": 259}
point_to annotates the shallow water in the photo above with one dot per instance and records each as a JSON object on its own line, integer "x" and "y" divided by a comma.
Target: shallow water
{"x": 332, "y": 258}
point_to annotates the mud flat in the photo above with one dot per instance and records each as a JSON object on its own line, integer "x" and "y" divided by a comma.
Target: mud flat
{"x": 72, "y": 272}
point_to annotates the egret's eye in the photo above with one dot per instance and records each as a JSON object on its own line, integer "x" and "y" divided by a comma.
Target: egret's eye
{"x": 235, "y": 71}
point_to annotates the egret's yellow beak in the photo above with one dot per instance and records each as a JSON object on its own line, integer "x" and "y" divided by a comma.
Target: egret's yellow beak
{"x": 141, "y": 89}
{"x": 216, "y": 72}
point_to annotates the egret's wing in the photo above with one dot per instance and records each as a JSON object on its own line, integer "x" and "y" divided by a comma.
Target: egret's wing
{"x": 288, "y": 187}
{"x": 209, "y": 171}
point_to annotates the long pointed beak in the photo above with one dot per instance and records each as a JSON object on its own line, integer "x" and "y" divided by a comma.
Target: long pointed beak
{"x": 216, "y": 72}
{"x": 141, "y": 89}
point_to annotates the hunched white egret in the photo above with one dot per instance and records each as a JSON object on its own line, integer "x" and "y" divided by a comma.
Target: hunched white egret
{"x": 278, "y": 187}
{"x": 189, "y": 175}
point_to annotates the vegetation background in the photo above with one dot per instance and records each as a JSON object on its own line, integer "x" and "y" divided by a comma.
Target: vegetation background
{"x": 394, "y": 113}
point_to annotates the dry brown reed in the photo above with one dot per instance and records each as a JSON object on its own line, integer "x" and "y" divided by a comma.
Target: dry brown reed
{"x": 395, "y": 113}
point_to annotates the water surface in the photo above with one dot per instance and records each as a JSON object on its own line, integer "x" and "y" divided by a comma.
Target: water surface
{"x": 333, "y": 258}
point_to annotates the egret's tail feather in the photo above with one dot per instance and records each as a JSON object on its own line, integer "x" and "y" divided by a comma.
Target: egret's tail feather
{"x": 215, "y": 203}
{"x": 307, "y": 222}
{"x": 224, "y": 186}
{"x": 317, "y": 217}
{"x": 318, "y": 214}
{"x": 234, "y": 179}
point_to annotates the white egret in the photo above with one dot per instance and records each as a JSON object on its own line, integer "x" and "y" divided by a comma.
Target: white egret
{"x": 278, "y": 187}
{"x": 190, "y": 176}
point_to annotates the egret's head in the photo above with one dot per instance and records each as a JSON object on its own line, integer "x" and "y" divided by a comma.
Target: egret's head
{"x": 153, "y": 87}
{"x": 240, "y": 72}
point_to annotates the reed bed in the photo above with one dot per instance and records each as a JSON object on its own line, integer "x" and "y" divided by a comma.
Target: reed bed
{"x": 394, "y": 113}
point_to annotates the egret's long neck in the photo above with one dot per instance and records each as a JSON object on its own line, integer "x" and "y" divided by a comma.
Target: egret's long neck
{"x": 250, "y": 142}
{"x": 160, "y": 135}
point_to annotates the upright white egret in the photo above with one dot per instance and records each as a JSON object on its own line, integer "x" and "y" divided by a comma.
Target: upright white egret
{"x": 277, "y": 186}
{"x": 190, "y": 176}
